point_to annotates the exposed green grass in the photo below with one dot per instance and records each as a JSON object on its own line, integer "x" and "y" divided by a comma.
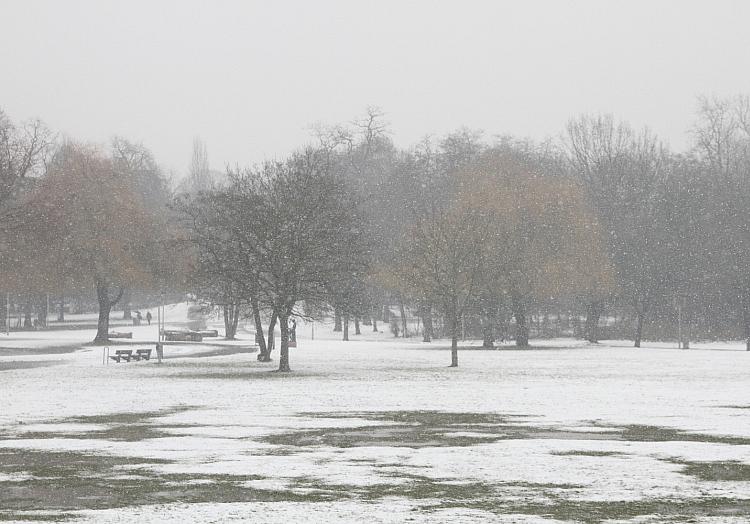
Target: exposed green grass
{"x": 25, "y": 364}
{"x": 16, "y": 516}
{"x": 68, "y": 481}
{"x": 64, "y": 482}
{"x": 587, "y": 453}
{"x": 415, "y": 429}
{"x": 642, "y": 433}
{"x": 129, "y": 417}
{"x": 545, "y": 500}
{"x": 716, "y": 471}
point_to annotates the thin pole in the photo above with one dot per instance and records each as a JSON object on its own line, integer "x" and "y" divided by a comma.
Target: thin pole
{"x": 7, "y": 314}
{"x": 158, "y": 323}
{"x": 163, "y": 319}
{"x": 679, "y": 324}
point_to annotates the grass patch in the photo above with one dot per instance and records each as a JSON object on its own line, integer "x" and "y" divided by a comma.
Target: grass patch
{"x": 640, "y": 433}
{"x": 64, "y": 482}
{"x": 27, "y": 364}
{"x": 543, "y": 500}
{"x": 124, "y": 426}
{"x": 68, "y": 481}
{"x": 417, "y": 429}
{"x": 587, "y": 453}
{"x": 13, "y": 516}
{"x": 666, "y": 510}
{"x": 716, "y": 471}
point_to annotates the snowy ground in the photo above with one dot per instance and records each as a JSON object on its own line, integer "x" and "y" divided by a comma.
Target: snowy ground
{"x": 376, "y": 430}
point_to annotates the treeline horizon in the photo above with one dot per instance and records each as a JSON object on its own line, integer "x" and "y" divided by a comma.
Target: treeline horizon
{"x": 606, "y": 221}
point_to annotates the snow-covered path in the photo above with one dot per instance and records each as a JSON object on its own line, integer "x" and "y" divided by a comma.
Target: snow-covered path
{"x": 379, "y": 429}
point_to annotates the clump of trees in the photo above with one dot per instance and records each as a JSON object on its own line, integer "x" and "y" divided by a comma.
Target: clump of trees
{"x": 277, "y": 237}
{"x": 80, "y": 219}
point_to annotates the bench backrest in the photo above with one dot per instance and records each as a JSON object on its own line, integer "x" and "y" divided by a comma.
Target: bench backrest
{"x": 124, "y": 352}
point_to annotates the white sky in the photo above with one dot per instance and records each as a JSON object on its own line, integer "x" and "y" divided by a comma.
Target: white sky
{"x": 250, "y": 76}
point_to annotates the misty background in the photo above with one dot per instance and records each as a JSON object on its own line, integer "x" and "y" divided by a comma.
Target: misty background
{"x": 249, "y": 78}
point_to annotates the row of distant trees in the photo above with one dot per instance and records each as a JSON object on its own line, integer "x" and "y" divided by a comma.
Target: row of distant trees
{"x": 603, "y": 221}
{"x": 607, "y": 218}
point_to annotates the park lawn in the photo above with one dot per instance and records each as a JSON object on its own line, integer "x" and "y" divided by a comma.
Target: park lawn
{"x": 376, "y": 429}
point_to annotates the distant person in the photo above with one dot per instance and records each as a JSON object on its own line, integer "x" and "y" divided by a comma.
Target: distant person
{"x": 137, "y": 319}
{"x": 148, "y": 317}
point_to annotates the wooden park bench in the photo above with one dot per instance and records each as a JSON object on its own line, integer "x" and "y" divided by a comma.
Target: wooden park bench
{"x": 123, "y": 354}
{"x": 142, "y": 354}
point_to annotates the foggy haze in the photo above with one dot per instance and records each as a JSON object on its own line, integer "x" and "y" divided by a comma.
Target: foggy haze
{"x": 334, "y": 261}
{"x": 250, "y": 77}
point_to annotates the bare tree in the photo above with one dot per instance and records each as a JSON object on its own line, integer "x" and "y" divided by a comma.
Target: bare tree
{"x": 624, "y": 174}
{"x": 722, "y": 143}
{"x": 23, "y": 152}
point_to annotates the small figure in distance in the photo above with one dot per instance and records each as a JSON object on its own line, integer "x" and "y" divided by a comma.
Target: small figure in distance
{"x": 148, "y": 317}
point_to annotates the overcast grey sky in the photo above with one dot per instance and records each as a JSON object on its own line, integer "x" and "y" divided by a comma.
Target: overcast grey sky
{"x": 250, "y": 76}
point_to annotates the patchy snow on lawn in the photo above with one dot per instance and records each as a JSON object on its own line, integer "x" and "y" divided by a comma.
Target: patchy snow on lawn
{"x": 376, "y": 429}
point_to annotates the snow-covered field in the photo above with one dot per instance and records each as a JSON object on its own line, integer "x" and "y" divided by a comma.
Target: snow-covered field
{"x": 373, "y": 430}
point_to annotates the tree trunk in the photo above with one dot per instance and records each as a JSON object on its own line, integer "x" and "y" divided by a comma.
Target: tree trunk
{"x": 593, "y": 312}
{"x": 236, "y": 319}
{"x": 356, "y": 326}
{"x": 231, "y": 317}
{"x": 488, "y": 331}
{"x": 3, "y": 311}
{"x": 284, "y": 352}
{"x": 427, "y": 321}
{"x": 105, "y": 307}
{"x": 685, "y": 321}
{"x": 402, "y": 309}
{"x": 272, "y": 333}
{"x": 336, "y": 321}
{"x": 386, "y": 314}
{"x": 27, "y": 321}
{"x": 522, "y": 329}
{"x": 346, "y": 327}
{"x": 374, "y": 325}
{"x": 61, "y": 309}
{"x": 263, "y": 353}
{"x": 42, "y": 312}
{"x": 126, "y": 313}
{"x": 638, "y": 329}
{"x": 746, "y": 317}
{"x": 227, "y": 314}
{"x": 455, "y": 332}
{"x": 577, "y": 326}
